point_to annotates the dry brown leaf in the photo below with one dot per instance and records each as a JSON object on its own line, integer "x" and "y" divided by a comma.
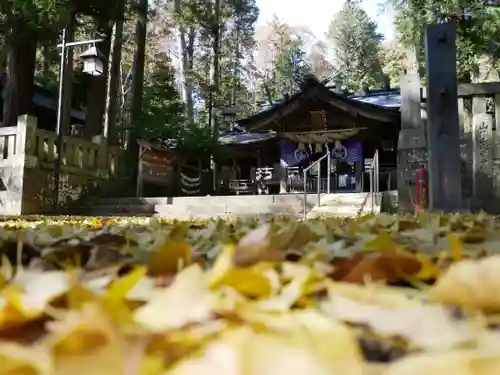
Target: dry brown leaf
{"x": 387, "y": 266}
{"x": 256, "y": 247}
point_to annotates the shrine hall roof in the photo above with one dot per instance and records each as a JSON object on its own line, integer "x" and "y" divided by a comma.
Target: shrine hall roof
{"x": 313, "y": 88}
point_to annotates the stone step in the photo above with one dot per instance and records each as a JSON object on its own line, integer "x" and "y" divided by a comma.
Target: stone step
{"x": 226, "y": 199}
{"x": 344, "y": 205}
{"x": 232, "y": 205}
{"x": 133, "y": 201}
{"x": 249, "y": 209}
{"x": 123, "y": 210}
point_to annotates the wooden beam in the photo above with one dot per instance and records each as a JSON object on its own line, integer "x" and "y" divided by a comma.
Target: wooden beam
{"x": 465, "y": 90}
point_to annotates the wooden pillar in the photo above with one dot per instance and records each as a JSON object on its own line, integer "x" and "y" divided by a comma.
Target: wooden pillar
{"x": 466, "y": 153}
{"x": 358, "y": 168}
{"x": 443, "y": 135}
{"x": 139, "y": 184}
{"x": 496, "y": 152}
{"x": 281, "y": 174}
{"x": 412, "y": 143}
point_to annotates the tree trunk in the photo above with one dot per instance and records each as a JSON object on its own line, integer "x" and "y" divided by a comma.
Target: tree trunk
{"x": 138, "y": 75}
{"x": 215, "y": 67}
{"x": 236, "y": 68}
{"x": 110, "y": 128}
{"x": 214, "y": 89}
{"x": 19, "y": 86}
{"x": 3, "y": 59}
{"x": 46, "y": 62}
{"x": 188, "y": 63}
{"x": 186, "y": 51}
{"x": 68, "y": 79}
{"x": 96, "y": 94}
{"x": 181, "y": 47}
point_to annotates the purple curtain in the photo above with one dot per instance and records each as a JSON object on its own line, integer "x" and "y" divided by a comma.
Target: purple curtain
{"x": 351, "y": 151}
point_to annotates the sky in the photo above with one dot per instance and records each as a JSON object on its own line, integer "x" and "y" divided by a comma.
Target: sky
{"x": 317, "y": 14}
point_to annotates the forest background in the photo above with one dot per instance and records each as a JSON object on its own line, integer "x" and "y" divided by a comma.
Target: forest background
{"x": 172, "y": 66}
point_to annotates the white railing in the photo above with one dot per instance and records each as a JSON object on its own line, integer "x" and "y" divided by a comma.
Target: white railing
{"x": 328, "y": 157}
{"x": 9, "y": 146}
{"x": 374, "y": 176}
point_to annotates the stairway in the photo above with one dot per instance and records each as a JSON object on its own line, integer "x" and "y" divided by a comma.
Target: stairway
{"x": 344, "y": 205}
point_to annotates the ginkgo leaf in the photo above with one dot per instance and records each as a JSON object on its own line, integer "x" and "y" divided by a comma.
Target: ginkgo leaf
{"x": 419, "y": 325}
{"x": 186, "y": 300}
{"x": 375, "y": 294}
{"x": 251, "y": 296}
{"x": 17, "y": 359}
{"x": 455, "y": 247}
{"x": 244, "y": 352}
{"x": 170, "y": 258}
{"x": 27, "y": 297}
{"x": 470, "y": 284}
{"x": 383, "y": 242}
{"x": 292, "y": 291}
{"x": 457, "y": 362}
{"x": 86, "y": 342}
{"x": 246, "y": 281}
{"x": 120, "y": 288}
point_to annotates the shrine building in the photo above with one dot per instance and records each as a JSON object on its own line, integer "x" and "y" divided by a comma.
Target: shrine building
{"x": 290, "y": 135}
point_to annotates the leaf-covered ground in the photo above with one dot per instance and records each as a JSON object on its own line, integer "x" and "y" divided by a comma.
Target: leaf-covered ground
{"x": 134, "y": 296}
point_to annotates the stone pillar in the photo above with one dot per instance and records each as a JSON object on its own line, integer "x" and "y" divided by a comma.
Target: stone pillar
{"x": 443, "y": 131}
{"x": 482, "y": 157}
{"x": 12, "y": 168}
{"x": 26, "y": 134}
{"x": 412, "y": 143}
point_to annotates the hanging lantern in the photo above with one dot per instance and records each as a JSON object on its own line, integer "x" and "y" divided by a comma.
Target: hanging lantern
{"x": 93, "y": 62}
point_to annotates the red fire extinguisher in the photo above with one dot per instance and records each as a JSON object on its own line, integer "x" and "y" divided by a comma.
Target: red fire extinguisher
{"x": 421, "y": 181}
